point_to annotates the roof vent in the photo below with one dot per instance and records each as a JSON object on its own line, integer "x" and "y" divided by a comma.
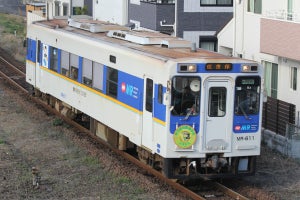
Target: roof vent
{"x": 139, "y": 37}
{"x": 95, "y": 27}
{"x": 175, "y": 43}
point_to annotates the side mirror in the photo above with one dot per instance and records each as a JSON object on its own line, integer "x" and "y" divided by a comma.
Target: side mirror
{"x": 166, "y": 99}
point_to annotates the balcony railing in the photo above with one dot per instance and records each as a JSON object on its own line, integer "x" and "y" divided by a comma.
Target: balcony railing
{"x": 159, "y": 1}
{"x": 283, "y": 15}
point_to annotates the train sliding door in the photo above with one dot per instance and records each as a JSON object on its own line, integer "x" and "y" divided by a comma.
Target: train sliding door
{"x": 218, "y": 115}
{"x": 147, "y": 113}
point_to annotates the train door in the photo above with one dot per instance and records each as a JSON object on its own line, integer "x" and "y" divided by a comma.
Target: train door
{"x": 218, "y": 115}
{"x": 148, "y": 113}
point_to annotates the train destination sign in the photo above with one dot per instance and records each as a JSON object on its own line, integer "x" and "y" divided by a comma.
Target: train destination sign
{"x": 218, "y": 66}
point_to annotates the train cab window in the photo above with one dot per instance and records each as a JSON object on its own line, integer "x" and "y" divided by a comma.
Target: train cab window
{"x": 217, "y": 102}
{"x": 65, "y": 63}
{"x": 87, "y": 72}
{"x": 112, "y": 82}
{"x": 247, "y": 95}
{"x": 98, "y": 76}
{"x": 74, "y": 63}
{"x": 53, "y": 59}
{"x": 185, "y": 95}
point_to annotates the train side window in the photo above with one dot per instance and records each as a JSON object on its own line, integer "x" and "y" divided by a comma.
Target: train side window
{"x": 217, "y": 102}
{"x": 149, "y": 95}
{"x": 74, "y": 63}
{"x": 112, "y": 82}
{"x": 28, "y": 48}
{"x": 65, "y": 63}
{"x": 39, "y": 46}
{"x": 160, "y": 94}
{"x": 87, "y": 72}
{"x": 53, "y": 59}
{"x": 98, "y": 76}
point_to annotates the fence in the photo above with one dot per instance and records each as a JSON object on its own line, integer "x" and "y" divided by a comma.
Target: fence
{"x": 277, "y": 114}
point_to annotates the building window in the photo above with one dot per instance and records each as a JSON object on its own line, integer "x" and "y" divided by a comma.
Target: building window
{"x": 208, "y": 43}
{"x": 254, "y": 6}
{"x": 216, "y": 2}
{"x": 271, "y": 78}
{"x": 293, "y": 83}
{"x": 112, "y": 82}
{"x": 65, "y": 9}
{"x": 57, "y": 9}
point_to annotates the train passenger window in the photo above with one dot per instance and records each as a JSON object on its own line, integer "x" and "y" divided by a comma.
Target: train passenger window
{"x": 217, "y": 102}
{"x": 112, "y": 82}
{"x": 160, "y": 94}
{"x": 98, "y": 76}
{"x": 53, "y": 59}
{"x": 74, "y": 63}
{"x": 149, "y": 95}
{"x": 65, "y": 63}
{"x": 247, "y": 95}
{"x": 87, "y": 72}
{"x": 185, "y": 95}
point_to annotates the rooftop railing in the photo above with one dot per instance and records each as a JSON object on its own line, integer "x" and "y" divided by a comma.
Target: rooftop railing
{"x": 283, "y": 15}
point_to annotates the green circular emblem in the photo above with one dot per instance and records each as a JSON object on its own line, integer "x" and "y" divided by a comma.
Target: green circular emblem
{"x": 184, "y": 136}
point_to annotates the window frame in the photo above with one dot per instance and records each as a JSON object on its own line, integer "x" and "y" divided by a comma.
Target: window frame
{"x": 112, "y": 82}
{"x": 215, "y": 4}
{"x": 256, "y": 9}
{"x": 293, "y": 78}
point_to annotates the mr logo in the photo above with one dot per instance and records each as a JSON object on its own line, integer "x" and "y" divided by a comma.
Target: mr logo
{"x": 245, "y": 127}
{"x": 128, "y": 89}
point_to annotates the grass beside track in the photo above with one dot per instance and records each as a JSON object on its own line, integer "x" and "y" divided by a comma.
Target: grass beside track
{"x": 12, "y": 35}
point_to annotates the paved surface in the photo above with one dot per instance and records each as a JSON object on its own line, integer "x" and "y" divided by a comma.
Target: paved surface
{"x": 12, "y": 7}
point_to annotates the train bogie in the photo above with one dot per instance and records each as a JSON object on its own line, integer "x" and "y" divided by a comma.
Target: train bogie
{"x": 186, "y": 113}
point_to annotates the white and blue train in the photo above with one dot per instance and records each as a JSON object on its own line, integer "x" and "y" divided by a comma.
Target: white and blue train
{"x": 187, "y": 112}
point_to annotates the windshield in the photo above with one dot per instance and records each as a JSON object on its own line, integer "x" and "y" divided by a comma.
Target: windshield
{"x": 185, "y": 95}
{"x": 247, "y": 95}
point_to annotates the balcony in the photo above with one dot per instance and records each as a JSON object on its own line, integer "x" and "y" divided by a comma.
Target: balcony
{"x": 283, "y": 15}
{"x": 159, "y": 1}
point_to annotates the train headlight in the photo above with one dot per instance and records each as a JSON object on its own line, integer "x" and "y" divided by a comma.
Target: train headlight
{"x": 187, "y": 68}
{"x": 246, "y": 68}
{"x": 249, "y": 68}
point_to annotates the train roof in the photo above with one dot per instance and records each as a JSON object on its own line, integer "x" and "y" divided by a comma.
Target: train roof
{"x": 145, "y": 42}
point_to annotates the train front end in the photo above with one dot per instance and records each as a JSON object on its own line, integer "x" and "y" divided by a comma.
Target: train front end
{"x": 215, "y": 120}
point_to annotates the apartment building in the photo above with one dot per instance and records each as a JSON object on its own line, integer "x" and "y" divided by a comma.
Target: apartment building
{"x": 198, "y": 21}
{"x": 268, "y": 31}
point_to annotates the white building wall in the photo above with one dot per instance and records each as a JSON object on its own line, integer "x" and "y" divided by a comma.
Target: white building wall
{"x": 114, "y": 11}
{"x": 225, "y": 39}
{"x": 245, "y": 29}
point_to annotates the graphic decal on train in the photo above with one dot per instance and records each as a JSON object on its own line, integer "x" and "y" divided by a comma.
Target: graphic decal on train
{"x": 185, "y": 136}
{"x": 45, "y": 56}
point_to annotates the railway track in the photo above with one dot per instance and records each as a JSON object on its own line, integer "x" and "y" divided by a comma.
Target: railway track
{"x": 15, "y": 75}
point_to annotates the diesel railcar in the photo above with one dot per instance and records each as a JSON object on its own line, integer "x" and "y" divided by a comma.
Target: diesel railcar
{"x": 187, "y": 112}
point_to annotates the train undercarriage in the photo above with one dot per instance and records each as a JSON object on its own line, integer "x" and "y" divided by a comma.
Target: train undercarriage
{"x": 213, "y": 166}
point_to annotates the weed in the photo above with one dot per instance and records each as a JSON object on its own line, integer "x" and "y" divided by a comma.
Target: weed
{"x": 91, "y": 161}
{"x": 2, "y": 141}
{"x": 57, "y": 122}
